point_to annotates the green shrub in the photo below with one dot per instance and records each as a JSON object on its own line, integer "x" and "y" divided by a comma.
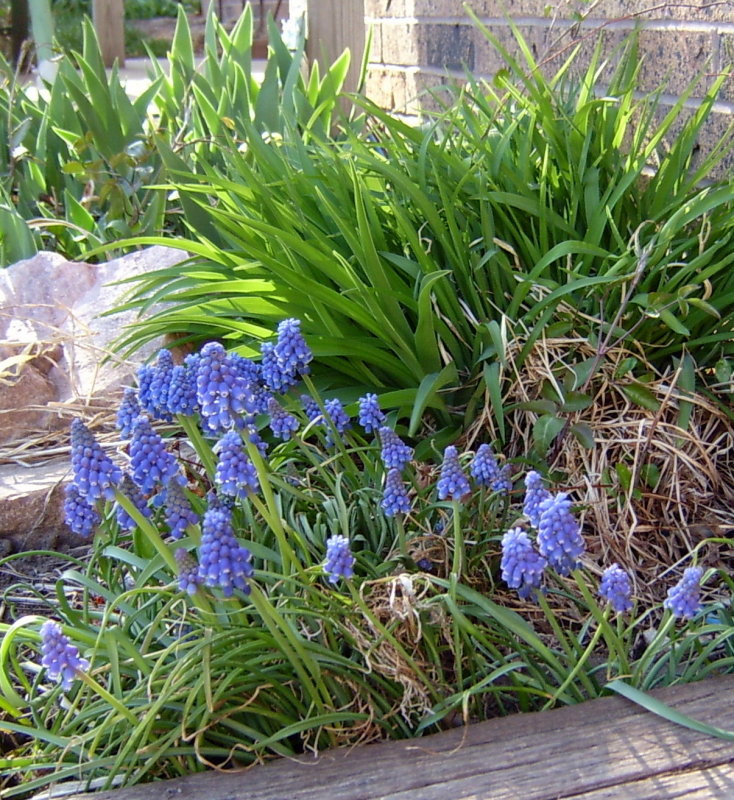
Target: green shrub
{"x": 413, "y": 253}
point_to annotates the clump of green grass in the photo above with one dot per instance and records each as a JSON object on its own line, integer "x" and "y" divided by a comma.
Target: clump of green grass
{"x": 199, "y": 656}
{"x": 405, "y": 249}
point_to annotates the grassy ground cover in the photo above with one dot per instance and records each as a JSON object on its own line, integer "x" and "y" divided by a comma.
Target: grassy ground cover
{"x": 446, "y": 432}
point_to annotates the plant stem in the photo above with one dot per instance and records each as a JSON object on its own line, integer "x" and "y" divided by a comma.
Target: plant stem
{"x": 459, "y": 555}
{"x": 107, "y": 697}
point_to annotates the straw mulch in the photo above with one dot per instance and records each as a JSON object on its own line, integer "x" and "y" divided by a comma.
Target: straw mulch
{"x": 681, "y": 487}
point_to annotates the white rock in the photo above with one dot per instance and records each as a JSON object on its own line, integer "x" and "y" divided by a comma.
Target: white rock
{"x": 49, "y": 299}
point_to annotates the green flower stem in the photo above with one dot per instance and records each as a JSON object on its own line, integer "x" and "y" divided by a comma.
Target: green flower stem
{"x": 107, "y": 697}
{"x": 402, "y": 541}
{"x": 613, "y": 639}
{"x": 199, "y": 443}
{"x": 581, "y": 661}
{"x": 569, "y": 649}
{"x": 459, "y": 555}
{"x": 154, "y": 537}
{"x": 270, "y": 511}
{"x": 652, "y": 649}
{"x": 327, "y": 419}
{"x": 146, "y": 526}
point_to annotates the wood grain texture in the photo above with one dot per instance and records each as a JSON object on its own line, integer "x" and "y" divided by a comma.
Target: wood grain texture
{"x": 109, "y": 22}
{"x": 607, "y": 748}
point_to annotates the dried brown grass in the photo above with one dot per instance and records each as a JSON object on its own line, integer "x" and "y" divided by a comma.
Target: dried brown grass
{"x": 647, "y": 529}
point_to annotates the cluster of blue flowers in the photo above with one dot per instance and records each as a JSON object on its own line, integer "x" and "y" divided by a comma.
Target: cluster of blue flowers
{"x": 226, "y": 392}
{"x": 560, "y": 545}
{"x": 59, "y": 656}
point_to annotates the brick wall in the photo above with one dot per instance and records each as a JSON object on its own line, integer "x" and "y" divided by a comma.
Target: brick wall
{"x": 420, "y": 44}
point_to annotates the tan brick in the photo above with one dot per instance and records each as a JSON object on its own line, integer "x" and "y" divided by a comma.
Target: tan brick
{"x": 680, "y": 10}
{"x": 718, "y": 128}
{"x": 386, "y": 87}
{"x": 672, "y": 59}
{"x": 726, "y": 61}
{"x": 446, "y": 46}
{"x": 428, "y": 93}
{"x": 386, "y": 9}
{"x": 400, "y": 43}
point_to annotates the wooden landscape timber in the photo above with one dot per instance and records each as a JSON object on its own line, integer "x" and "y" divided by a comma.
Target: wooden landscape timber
{"x": 606, "y": 749}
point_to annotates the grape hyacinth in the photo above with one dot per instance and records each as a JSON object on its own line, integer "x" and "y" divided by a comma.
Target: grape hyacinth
{"x": 135, "y": 496}
{"x": 484, "y": 468}
{"x": 236, "y": 475}
{"x": 126, "y": 413}
{"x": 684, "y": 599}
{"x": 223, "y": 562}
{"x": 189, "y": 579}
{"x": 395, "y": 453}
{"x": 616, "y": 588}
{"x": 291, "y": 349}
{"x": 81, "y": 518}
{"x": 182, "y": 388}
{"x": 371, "y": 416}
{"x": 145, "y": 375}
{"x": 59, "y": 656}
{"x": 522, "y": 566}
{"x": 339, "y": 561}
{"x": 224, "y": 396}
{"x": 275, "y": 376}
{"x": 395, "y": 497}
{"x": 282, "y": 423}
{"x": 94, "y": 473}
{"x": 179, "y": 514}
{"x": 452, "y": 483}
{"x": 160, "y": 384}
{"x": 310, "y": 408}
{"x": 338, "y": 417}
{"x": 151, "y": 463}
{"x": 559, "y": 534}
{"x": 502, "y": 484}
{"x": 535, "y": 494}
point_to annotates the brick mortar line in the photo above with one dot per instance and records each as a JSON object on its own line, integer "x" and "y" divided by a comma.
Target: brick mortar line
{"x": 691, "y": 26}
{"x": 666, "y": 99}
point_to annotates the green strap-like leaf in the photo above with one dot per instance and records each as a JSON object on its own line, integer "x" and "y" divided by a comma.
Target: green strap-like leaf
{"x": 665, "y": 711}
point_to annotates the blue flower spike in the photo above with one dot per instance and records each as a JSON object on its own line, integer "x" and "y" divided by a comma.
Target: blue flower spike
{"x": 94, "y": 474}
{"x": 452, "y": 483}
{"x": 371, "y": 416}
{"x": 484, "y": 468}
{"x": 223, "y": 561}
{"x": 128, "y": 410}
{"x": 616, "y": 588}
{"x": 521, "y": 565}
{"x": 59, "y": 656}
{"x": 339, "y": 561}
{"x": 79, "y": 515}
{"x": 684, "y": 599}
{"x": 131, "y": 490}
{"x": 189, "y": 579}
{"x": 151, "y": 463}
{"x": 338, "y": 417}
{"x": 395, "y": 453}
{"x": 282, "y": 423}
{"x": 235, "y": 474}
{"x": 224, "y": 395}
{"x": 179, "y": 514}
{"x": 535, "y": 494}
{"x": 395, "y": 498}
{"x": 559, "y": 534}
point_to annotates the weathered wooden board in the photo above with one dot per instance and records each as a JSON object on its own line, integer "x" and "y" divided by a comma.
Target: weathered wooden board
{"x": 607, "y": 749}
